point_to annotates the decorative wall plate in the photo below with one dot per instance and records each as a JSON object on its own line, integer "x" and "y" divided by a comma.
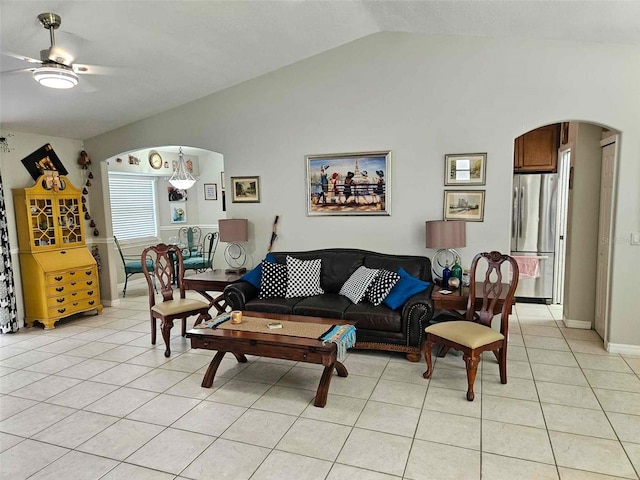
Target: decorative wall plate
{"x": 155, "y": 160}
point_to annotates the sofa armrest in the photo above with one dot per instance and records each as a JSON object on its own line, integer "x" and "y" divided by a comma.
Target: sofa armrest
{"x": 417, "y": 312}
{"x": 239, "y": 293}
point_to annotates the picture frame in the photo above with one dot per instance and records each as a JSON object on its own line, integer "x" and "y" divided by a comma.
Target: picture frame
{"x": 178, "y": 212}
{"x": 465, "y": 205}
{"x": 43, "y": 160}
{"x": 349, "y": 184}
{"x": 210, "y": 191}
{"x": 245, "y": 189}
{"x": 465, "y": 169}
{"x": 222, "y": 183}
{"x": 176, "y": 195}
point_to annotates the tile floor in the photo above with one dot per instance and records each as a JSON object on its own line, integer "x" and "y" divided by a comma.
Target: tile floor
{"x": 92, "y": 399}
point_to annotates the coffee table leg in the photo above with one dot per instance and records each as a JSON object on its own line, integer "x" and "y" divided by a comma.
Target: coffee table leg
{"x": 240, "y": 357}
{"x": 207, "y": 381}
{"x": 341, "y": 370}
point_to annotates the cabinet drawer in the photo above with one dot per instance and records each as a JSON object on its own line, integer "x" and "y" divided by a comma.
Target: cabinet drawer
{"x": 73, "y": 307}
{"x": 78, "y": 276}
{"x": 71, "y": 296}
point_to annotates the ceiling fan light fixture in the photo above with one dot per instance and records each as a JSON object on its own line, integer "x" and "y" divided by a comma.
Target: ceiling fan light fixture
{"x": 55, "y": 76}
{"x": 182, "y": 178}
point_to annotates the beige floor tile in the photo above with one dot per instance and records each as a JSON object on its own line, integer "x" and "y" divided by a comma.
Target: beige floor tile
{"x": 633, "y": 362}
{"x": 19, "y": 379}
{"x": 55, "y": 364}
{"x": 627, "y": 427}
{"x": 158, "y": 380}
{"x": 581, "y": 334}
{"x": 627, "y": 382}
{"x": 454, "y": 379}
{"x": 581, "y": 346}
{"x": 121, "y": 402}
{"x": 325, "y": 443}
{"x": 545, "y": 343}
{"x": 153, "y": 357}
{"x": 353, "y": 386}
{"x": 236, "y": 392}
{"x": 526, "y": 443}
{"x": 571, "y": 474}
{"x": 171, "y": 451}
{"x": 288, "y": 465}
{"x": 209, "y": 418}
{"x": 434, "y": 461}
{"x": 7, "y": 441}
{"x": 11, "y": 405}
{"x": 451, "y": 401}
{"x": 551, "y": 357}
{"x": 75, "y": 429}
{"x": 121, "y": 374}
{"x": 121, "y": 439}
{"x": 515, "y": 369}
{"x": 407, "y": 394}
{"x": 163, "y": 409}
{"x": 260, "y": 428}
{"x": 618, "y": 402}
{"x": 514, "y": 388}
{"x": 187, "y": 362}
{"x": 87, "y": 369}
{"x": 47, "y": 387}
{"x": 26, "y": 359}
{"x": 121, "y": 353}
{"x": 601, "y": 362}
{"x": 291, "y": 401}
{"x": 346, "y": 472}
{"x": 91, "y": 349}
{"x": 567, "y": 395}
{"x": 302, "y": 378}
{"x": 581, "y": 421}
{"x": 62, "y": 346}
{"x": 192, "y": 387}
{"x": 232, "y": 460}
{"x": 591, "y": 454}
{"x": 388, "y": 418}
{"x": 498, "y": 467}
{"x": 263, "y": 372}
{"x": 17, "y": 466}
{"x": 541, "y": 330}
{"x": 558, "y": 374}
{"x": 366, "y": 366}
{"x": 633, "y": 451}
{"x": 125, "y": 471}
{"x": 76, "y": 466}
{"x": 409, "y": 372}
{"x": 381, "y": 452}
{"x": 34, "y": 419}
{"x": 511, "y": 410}
{"x": 449, "y": 429}
{"x": 339, "y": 409}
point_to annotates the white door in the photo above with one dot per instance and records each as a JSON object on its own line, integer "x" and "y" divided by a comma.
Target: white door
{"x": 605, "y": 235}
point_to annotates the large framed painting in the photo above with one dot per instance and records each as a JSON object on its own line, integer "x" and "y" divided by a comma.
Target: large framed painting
{"x": 465, "y": 169}
{"x": 349, "y": 183}
{"x": 464, "y": 205}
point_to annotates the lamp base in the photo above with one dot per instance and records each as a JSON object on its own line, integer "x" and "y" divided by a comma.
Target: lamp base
{"x": 442, "y": 258}
{"x": 236, "y": 270}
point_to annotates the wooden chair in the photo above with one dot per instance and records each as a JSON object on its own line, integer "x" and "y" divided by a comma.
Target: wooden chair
{"x": 169, "y": 308}
{"x": 474, "y": 335}
{"x": 202, "y": 260}
{"x": 132, "y": 265}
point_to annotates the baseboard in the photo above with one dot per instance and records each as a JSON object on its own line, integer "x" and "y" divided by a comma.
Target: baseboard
{"x": 622, "y": 348}
{"x": 582, "y": 324}
{"x": 111, "y": 303}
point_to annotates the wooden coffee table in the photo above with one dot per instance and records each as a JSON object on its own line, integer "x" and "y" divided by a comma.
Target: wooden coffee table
{"x": 240, "y": 343}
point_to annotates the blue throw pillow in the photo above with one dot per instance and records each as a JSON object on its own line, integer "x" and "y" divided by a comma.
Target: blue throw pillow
{"x": 254, "y": 276}
{"x": 406, "y": 287}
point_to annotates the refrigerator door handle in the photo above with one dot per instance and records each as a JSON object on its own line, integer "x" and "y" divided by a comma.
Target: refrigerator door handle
{"x": 515, "y": 215}
{"x": 521, "y": 212}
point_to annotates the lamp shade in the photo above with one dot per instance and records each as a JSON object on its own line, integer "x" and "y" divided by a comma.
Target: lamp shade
{"x": 446, "y": 234}
{"x": 234, "y": 230}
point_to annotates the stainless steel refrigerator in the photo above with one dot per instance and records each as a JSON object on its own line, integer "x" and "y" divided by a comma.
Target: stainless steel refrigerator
{"x": 533, "y": 233}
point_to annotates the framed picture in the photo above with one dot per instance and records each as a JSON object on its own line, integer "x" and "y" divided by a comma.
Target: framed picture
{"x": 222, "y": 180}
{"x": 349, "y": 183}
{"x": 464, "y": 205}
{"x": 176, "y": 195}
{"x": 210, "y": 191}
{"x": 178, "y": 212}
{"x": 245, "y": 189}
{"x": 43, "y": 159}
{"x": 465, "y": 169}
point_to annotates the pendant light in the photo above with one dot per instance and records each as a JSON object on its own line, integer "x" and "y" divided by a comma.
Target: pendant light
{"x": 182, "y": 178}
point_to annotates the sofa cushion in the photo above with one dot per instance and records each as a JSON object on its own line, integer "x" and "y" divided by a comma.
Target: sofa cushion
{"x": 418, "y": 267}
{"x": 254, "y": 276}
{"x": 381, "y": 287}
{"x": 356, "y": 286}
{"x": 272, "y": 305}
{"x": 273, "y": 282}
{"x": 329, "y": 305}
{"x": 406, "y": 287}
{"x": 303, "y": 277}
{"x": 368, "y": 317}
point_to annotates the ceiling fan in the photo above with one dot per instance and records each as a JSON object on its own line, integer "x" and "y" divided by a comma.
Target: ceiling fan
{"x": 56, "y": 68}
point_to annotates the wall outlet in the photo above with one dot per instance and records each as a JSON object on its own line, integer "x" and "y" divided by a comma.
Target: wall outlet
{"x": 635, "y": 238}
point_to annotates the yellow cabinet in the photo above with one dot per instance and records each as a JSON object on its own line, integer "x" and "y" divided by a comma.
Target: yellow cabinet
{"x": 59, "y": 274}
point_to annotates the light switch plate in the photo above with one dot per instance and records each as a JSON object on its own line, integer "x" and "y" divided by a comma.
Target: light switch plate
{"x": 635, "y": 238}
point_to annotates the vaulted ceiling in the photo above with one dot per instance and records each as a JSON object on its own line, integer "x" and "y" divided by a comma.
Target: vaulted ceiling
{"x": 160, "y": 54}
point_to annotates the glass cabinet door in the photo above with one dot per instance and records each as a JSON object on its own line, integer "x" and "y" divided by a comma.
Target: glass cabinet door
{"x": 69, "y": 220}
{"x": 42, "y": 222}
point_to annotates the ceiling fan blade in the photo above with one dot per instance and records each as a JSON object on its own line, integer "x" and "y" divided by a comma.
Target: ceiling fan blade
{"x": 84, "y": 69}
{"x": 21, "y": 57}
{"x": 20, "y": 70}
{"x": 86, "y": 86}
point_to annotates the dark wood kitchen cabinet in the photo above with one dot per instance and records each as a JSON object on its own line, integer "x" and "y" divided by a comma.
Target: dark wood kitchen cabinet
{"x": 537, "y": 150}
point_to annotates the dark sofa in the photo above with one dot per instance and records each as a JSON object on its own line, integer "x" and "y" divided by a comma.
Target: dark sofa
{"x": 379, "y": 328}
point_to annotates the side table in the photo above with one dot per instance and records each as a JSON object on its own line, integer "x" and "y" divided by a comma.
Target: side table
{"x": 211, "y": 281}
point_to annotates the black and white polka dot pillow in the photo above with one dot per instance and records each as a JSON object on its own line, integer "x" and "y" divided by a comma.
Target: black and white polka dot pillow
{"x": 273, "y": 283}
{"x": 303, "y": 277}
{"x": 358, "y": 283}
{"x": 381, "y": 286}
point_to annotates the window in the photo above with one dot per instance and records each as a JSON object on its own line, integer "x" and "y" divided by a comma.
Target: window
{"x": 133, "y": 206}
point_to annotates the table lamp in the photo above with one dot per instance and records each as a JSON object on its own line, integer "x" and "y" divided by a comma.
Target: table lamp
{"x": 233, "y": 231}
{"x": 446, "y": 236}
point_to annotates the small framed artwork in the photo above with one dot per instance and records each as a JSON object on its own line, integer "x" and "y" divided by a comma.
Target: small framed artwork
{"x": 245, "y": 189}
{"x": 465, "y": 169}
{"x": 464, "y": 205}
{"x": 176, "y": 195}
{"x": 222, "y": 180}
{"x": 349, "y": 184}
{"x": 178, "y": 212}
{"x": 210, "y": 191}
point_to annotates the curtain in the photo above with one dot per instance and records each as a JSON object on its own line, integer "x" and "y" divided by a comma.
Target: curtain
{"x": 8, "y": 314}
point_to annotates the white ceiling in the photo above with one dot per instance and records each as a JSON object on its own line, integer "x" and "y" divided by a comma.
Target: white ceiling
{"x": 166, "y": 53}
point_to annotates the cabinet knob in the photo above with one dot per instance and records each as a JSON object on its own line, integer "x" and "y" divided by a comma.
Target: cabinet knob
{"x": 60, "y": 300}
{"x": 63, "y": 252}
{"x": 57, "y": 278}
{"x": 59, "y": 289}
{"x": 90, "y": 292}
{"x": 89, "y": 282}
{"x": 62, "y": 310}
{"x": 89, "y": 272}
{"x": 91, "y": 302}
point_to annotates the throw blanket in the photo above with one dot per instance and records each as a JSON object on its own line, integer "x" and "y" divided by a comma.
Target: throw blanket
{"x": 529, "y": 266}
{"x": 344, "y": 336}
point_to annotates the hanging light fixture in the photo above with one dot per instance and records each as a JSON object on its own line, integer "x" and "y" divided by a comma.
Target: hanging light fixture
{"x": 182, "y": 178}
{"x": 53, "y": 75}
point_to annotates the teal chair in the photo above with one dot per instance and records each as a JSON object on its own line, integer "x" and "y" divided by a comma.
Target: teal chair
{"x": 189, "y": 238}
{"x": 202, "y": 259}
{"x": 132, "y": 265}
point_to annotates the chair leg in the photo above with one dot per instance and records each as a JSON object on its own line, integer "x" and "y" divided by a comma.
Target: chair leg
{"x": 184, "y": 326}
{"x": 502, "y": 362}
{"x": 428, "y": 346}
{"x": 124, "y": 292}
{"x": 153, "y": 330}
{"x": 472, "y": 370}
{"x": 166, "y": 335}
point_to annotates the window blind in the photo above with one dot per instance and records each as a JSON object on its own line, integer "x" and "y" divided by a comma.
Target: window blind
{"x": 133, "y": 206}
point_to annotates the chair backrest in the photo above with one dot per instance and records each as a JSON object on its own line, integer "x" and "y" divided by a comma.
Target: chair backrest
{"x": 115, "y": 239}
{"x": 491, "y": 289}
{"x": 209, "y": 246}
{"x": 166, "y": 258}
{"x": 190, "y": 237}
